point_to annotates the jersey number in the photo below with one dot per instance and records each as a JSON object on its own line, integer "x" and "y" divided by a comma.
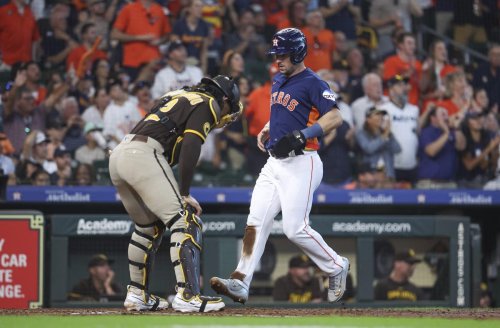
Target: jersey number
{"x": 193, "y": 98}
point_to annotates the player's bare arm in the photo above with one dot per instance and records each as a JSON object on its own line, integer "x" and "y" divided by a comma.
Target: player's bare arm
{"x": 330, "y": 121}
{"x": 262, "y": 137}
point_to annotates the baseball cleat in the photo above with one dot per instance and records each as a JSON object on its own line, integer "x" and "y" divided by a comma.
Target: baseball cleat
{"x": 135, "y": 301}
{"x": 197, "y": 303}
{"x": 232, "y": 288}
{"x": 337, "y": 282}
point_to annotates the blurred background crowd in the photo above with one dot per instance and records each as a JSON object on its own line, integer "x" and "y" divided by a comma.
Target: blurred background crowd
{"x": 418, "y": 84}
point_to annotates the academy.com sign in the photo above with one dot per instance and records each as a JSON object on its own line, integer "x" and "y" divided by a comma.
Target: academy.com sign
{"x": 103, "y": 227}
{"x": 372, "y": 227}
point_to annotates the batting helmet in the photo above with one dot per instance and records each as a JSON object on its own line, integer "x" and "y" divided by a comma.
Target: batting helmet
{"x": 230, "y": 89}
{"x": 290, "y": 41}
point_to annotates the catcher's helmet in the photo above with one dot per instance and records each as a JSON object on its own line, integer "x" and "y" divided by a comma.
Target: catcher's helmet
{"x": 230, "y": 89}
{"x": 290, "y": 41}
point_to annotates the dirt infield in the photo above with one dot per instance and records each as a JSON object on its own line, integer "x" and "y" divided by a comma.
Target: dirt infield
{"x": 283, "y": 312}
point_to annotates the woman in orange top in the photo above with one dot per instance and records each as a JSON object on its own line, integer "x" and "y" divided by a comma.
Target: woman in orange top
{"x": 459, "y": 94}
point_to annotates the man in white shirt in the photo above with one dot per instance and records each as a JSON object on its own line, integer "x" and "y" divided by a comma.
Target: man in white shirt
{"x": 120, "y": 116}
{"x": 404, "y": 124}
{"x": 374, "y": 97}
{"x": 95, "y": 113}
{"x": 177, "y": 74}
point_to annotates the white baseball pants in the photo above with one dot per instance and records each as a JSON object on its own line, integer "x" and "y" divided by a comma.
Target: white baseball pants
{"x": 287, "y": 185}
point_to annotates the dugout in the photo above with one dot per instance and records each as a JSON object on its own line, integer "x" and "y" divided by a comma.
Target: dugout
{"x": 450, "y": 246}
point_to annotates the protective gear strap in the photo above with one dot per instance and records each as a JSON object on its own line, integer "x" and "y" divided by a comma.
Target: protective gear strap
{"x": 137, "y": 264}
{"x": 157, "y": 302}
{"x": 143, "y": 235}
{"x": 133, "y": 283}
{"x": 136, "y": 244}
{"x": 143, "y": 245}
{"x": 174, "y": 219}
{"x": 203, "y": 305}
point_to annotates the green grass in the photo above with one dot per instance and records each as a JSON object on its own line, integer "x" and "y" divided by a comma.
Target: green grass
{"x": 179, "y": 321}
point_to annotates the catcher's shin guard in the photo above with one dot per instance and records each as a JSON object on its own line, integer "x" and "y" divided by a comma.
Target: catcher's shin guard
{"x": 185, "y": 248}
{"x": 143, "y": 245}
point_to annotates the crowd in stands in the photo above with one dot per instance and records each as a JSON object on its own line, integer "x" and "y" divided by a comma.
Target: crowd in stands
{"x": 77, "y": 75}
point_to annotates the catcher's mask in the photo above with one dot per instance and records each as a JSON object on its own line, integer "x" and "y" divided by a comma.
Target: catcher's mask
{"x": 232, "y": 95}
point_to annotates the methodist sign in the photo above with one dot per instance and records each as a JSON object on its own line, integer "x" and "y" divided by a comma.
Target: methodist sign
{"x": 21, "y": 259}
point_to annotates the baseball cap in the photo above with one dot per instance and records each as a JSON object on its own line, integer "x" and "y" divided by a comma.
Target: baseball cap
{"x": 299, "y": 261}
{"x": 396, "y": 79}
{"x": 99, "y": 259}
{"x": 407, "y": 256}
{"x": 375, "y": 110}
{"x": 41, "y": 138}
{"x": 61, "y": 151}
{"x": 90, "y": 126}
{"x": 341, "y": 65}
{"x": 256, "y": 8}
{"x": 174, "y": 45}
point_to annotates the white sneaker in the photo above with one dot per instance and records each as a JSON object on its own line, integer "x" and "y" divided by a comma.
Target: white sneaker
{"x": 232, "y": 288}
{"x": 336, "y": 287}
{"x": 197, "y": 303}
{"x": 135, "y": 301}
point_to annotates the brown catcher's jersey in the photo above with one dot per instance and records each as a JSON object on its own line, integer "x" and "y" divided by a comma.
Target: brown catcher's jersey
{"x": 189, "y": 111}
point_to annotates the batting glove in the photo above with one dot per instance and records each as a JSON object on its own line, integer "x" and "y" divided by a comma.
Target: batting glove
{"x": 289, "y": 145}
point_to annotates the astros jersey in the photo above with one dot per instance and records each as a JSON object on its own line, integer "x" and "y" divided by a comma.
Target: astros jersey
{"x": 298, "y": 102}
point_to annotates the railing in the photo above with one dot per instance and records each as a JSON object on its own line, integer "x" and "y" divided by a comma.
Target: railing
{"x": 468, "y": 52}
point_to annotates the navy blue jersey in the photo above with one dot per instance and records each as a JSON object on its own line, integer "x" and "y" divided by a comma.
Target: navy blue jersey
{"x": 298, "y": 102}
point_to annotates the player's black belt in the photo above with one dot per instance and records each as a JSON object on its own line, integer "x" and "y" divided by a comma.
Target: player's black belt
{"x": 291, "y": 154}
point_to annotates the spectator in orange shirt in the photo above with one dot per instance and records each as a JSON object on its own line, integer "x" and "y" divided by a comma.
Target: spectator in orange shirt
{"x": 297, "y": 11}
{"x": 258, "y": 114}
{"x": 405, "y": 63}
{"x": 75, "y": 57}
{"x": 320, "y": 42}
{"x": 101, "y": 13}
{"x": 434, "y": 70}
{"x": 18, "y": 34}
{"x": 276, "y": 11}
{"x": 141, "y": 26}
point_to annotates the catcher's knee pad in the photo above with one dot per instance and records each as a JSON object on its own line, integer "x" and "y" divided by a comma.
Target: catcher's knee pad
{"x": 185, "y": 248}
{"x": 144, "y": 243}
